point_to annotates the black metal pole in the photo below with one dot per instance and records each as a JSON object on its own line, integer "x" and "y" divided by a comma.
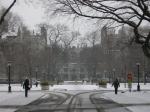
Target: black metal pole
{"x": 138, "y": 86}
{"x": 9, "y": 87}
{"x": 145, "y": 78}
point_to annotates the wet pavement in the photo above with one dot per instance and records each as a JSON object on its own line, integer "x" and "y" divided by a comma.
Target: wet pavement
{"x": 83, "y": 101}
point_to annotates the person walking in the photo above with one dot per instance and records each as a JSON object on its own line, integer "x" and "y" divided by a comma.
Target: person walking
{"x": 36, "y": 83}
{"x": 116, "y": 84}
{"x": 26, "y": 86}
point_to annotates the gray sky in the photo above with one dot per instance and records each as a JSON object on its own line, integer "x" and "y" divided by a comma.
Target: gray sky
{"x": 33, "y": 14}
{"x": 30, "y": 14}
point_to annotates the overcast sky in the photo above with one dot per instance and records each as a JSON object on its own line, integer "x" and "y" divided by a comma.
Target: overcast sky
{"x": 33, "y": 14}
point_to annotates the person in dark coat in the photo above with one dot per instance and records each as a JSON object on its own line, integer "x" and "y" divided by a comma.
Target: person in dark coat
{"x": 36, "y": 83}
{"x": 26, "y": 86}
{"x": 116, "y": 84}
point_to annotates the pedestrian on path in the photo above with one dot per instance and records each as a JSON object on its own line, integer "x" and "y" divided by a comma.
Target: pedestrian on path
{"x": 36, "y": 83}
{"x": 26, "y": 86}
{"x": 116, "y": 84}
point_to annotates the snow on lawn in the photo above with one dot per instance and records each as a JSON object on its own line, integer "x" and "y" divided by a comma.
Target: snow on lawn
{"x": 16, "y": 97}
{"x": 74, "y": 87}
{"x": 96, "y": 87}
{"x": 134, "y": 86}
{"x": 14, "y": 87}
{"x": 139, "y": 101}
{"x": 18, "y": 87}
{"x": 128, "y": 97}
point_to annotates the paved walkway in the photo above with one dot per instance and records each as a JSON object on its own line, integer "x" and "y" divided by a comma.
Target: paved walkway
{"x": 9, "y": 102}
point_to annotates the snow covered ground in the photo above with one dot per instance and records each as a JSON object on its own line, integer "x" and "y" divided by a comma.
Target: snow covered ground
{"x": 9, "y": 102}
{"x": 135, "y": 101}
{"x": 18, "y": 87}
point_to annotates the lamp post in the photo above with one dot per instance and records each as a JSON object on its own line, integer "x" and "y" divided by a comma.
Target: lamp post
{"x": 9, "y": 86}
{"x": 109, "y": 73}
{"x": 138, "y": 86}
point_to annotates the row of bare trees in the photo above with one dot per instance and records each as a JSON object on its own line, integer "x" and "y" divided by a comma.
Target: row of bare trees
{"x": 3, "y": 15}
{"x": 30, "y": 52}
{"x": 44, "y": 52}
{"x": 134, "y": 13}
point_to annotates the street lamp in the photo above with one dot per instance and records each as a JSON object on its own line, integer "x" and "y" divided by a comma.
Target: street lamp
{"x": 138, "y": 86}
{"x": 109, "y": 74}
{"x": 9, "y": 87}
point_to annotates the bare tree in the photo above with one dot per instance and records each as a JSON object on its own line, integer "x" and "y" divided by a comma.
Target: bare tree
{"x": 2, "y": 18}
{"x": 11, "y": 23}
{"x": 130, "y": 12}
{"x": 53, "y": 49}
{"x": 90, "y": 56}
{"x": 69, "y": 38}
{"x": 56, "y": 33}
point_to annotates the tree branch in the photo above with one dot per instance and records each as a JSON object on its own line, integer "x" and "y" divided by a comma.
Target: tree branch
{"x": 5, "y": 13}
